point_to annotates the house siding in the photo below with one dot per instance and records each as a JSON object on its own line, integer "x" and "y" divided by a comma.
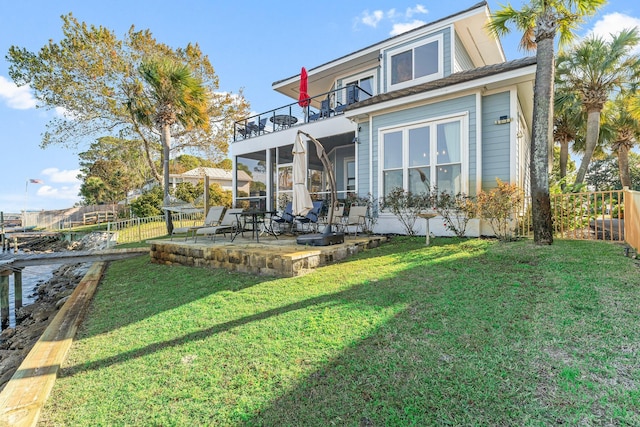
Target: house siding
{"x": 462, "y": 59}
{"x": 422, "y": 113}
{"x": 362, "y": 161}
{"x": 495, "y": 140}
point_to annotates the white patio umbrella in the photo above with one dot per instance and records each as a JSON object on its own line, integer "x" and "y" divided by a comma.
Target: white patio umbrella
{"x": 302, "y": 203}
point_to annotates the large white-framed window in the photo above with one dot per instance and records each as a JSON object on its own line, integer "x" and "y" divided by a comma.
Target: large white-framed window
{"x": 418, "y": 62}
{"x": 425, "y": 156}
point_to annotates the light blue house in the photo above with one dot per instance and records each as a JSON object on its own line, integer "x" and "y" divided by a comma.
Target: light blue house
{"x": 437, "y": 105}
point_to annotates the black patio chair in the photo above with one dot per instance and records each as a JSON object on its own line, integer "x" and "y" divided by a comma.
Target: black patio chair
{"x": 284, "y": 220}
{"x": 309, "y": 222}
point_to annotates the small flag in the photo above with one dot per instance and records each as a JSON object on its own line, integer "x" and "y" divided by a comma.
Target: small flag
{"x": 36, "y": 181}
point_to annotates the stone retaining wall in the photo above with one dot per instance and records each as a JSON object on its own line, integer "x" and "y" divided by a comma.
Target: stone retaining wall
{"x": 262, "y": 259}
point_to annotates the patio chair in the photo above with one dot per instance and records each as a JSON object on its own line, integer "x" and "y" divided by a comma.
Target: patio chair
{"x": 262, "y": 125}
{"x": 338, "y": 217}
{"x": 352, "y": 97}
{"x": 356, "y": 220}
{"x": 284, "y": 220}
{"x": 325, "y": 109}
{"x": 313, "y": 116}
{"x": 309, "y": 222}
{"x": 212, "y": 219}
{"x": 229, "y": 223}
{"x": 352, "y": 94}
{"x": 244, "y": 132}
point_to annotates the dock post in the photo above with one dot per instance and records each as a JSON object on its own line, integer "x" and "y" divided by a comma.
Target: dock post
{"x": 4, "y": 298}
{"x": 17, "y": 288}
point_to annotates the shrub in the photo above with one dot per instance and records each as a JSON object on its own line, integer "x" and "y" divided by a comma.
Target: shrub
{"x": 499, "y": 206}
{"x": 456, "y": 210}
{"x": 148, "y": 204}
{"x": 406, "y": 206}
{"x": 186, "y": 191}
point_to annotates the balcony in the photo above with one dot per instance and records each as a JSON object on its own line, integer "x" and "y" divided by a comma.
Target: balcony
{"x": 320, "y": 107}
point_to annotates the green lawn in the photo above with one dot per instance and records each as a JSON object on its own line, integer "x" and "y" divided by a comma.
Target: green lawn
{"x": 458, "y": 333}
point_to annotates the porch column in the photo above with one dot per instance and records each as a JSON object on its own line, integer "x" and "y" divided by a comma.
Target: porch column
{"x": 269, "y": 177}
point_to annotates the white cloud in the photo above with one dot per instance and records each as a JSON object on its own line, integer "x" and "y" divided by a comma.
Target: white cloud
{"x": 418, "y": 9}
{"x": 371, "y": 19}
{"x": 403, "y": 28}
{"x": 401, "y": 22}
{"x": 18, "y": 97}
{"x": 614, "y": 23}
{"x": 65, "y": 192}
{"x": 61, "y": 176}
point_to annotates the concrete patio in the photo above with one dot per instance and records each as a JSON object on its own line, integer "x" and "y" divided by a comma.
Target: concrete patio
{"x": 270, "y": 257}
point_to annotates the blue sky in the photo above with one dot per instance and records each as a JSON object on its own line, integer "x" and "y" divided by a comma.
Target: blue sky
{"x": 251, "y": 44}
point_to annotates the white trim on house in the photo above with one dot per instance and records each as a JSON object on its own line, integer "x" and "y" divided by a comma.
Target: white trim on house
{"x": 479, "y": 142}
{"x": 513, "y": 132}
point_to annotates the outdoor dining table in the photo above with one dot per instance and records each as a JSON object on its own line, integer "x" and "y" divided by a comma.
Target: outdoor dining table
{"x": 283, "y": 120}
{"x": 254, "y": 216}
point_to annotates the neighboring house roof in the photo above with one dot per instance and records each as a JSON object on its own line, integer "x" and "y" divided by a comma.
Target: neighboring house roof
{"x": 215, "y": 173}
{"x": 452, "y": 79}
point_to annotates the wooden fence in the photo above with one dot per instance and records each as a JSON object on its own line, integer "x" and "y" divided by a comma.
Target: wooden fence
{"x": 632, "y": 219}
{"x": 602, "y": 215}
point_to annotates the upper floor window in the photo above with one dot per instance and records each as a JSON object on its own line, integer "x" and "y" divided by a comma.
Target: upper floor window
{"x": 416, "y": 63}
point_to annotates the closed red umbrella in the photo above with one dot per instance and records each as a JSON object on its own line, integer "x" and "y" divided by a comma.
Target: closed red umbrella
{"x": 303, "y": 98}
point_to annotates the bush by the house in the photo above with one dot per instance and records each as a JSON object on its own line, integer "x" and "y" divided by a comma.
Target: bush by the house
{"x": 498, "y": 206}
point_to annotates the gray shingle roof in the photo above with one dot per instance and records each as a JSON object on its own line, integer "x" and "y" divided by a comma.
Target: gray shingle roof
{"x": 455, "y": 78}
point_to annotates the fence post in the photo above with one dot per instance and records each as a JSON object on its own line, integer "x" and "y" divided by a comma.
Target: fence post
{"x": 139, "y": 230}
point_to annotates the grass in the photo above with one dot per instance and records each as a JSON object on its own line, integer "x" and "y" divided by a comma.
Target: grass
{"x": 457, "y": 333}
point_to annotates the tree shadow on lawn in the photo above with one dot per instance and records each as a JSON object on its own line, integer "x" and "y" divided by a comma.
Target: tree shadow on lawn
{"x": 133, "y": 290}
{"x": 361, "y": 293}
{"x": 141, "y": 289}
{"x": 426, "y": 364}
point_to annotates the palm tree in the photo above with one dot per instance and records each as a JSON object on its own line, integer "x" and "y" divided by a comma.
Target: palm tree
{"x": 567, "y": 127}
{"x": 172, "y": 95}
{"x": 540, "y": 21}
{"x": 595, "y": 69}
{"x": 625, "y": 132}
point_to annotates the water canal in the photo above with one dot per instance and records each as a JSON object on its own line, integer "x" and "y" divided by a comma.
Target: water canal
{"x": 32, "y": 277}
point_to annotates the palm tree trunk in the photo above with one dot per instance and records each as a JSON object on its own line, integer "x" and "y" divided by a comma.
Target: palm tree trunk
{"x": 623, "y": 165}
{"x": 152, "y": 166}
{"x": 564, "y": 158}
{"x": 542, "y": 141}
{"x": 166, "y": 148}
{"x": 591, "y": 140}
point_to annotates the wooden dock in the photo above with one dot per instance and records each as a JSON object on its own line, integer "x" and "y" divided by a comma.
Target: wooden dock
{"x": 9, "y": 261}
{"x": 14, "y": 263}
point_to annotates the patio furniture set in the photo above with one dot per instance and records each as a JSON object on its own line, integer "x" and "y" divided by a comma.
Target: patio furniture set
{"x": 237, "y": 221}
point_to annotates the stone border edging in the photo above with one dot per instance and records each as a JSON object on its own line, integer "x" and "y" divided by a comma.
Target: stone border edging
{"x": 26, "y": 392}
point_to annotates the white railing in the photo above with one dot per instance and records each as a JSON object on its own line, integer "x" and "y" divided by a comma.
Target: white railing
{"x": 140, "y": 229}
